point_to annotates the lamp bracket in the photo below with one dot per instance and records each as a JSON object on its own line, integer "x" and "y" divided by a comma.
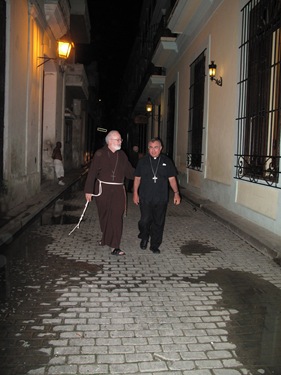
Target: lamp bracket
{"x": 217, "y": 80}
{"x": 46, "y": 59}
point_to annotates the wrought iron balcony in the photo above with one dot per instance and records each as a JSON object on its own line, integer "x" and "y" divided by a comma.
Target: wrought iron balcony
{"x": 141, "y": 68}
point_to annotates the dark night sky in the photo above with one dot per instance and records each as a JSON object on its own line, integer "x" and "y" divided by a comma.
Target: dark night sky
{"x": 114, "y": 27}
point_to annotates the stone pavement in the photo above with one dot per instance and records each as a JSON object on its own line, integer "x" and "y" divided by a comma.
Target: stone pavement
{"x": 15, "y": 220}
{"x": 209, "y": 304}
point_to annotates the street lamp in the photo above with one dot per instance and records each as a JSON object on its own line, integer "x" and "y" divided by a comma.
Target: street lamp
{"x": 148, "y": 105}
{"x": 64, "y": 47}
{"x": 212, "y": 74}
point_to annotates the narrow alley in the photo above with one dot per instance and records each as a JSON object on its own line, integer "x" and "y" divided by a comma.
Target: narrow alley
{"x": 209, "y": 304}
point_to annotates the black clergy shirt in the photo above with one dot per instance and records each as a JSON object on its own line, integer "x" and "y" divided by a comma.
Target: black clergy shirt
{"x": 147, "y": 168}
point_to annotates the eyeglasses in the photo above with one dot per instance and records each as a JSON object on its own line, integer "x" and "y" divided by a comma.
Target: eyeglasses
{"x": 117, "y": 139}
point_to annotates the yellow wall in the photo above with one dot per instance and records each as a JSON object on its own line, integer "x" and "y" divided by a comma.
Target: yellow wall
{"x": 258, "y": 198}
{"x": 17, "y": 73}
{"x": 224, "y": 42}
{"x": 220, "y": 36}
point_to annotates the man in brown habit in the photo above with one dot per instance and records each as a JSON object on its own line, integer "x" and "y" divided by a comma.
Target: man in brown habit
{"x": 105, "y": 181}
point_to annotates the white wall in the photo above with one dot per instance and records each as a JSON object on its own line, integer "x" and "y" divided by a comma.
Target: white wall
{"x": 22, "y": 104}
{"x": 27, "y": 39}
{"x": 220, "y": 36}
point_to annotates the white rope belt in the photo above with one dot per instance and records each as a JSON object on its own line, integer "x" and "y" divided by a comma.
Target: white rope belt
{"x": 106, "y": 183}
{"x": 94, "y": 195}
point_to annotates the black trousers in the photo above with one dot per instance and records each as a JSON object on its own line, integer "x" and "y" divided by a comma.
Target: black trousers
{"x": 152, "y": 222}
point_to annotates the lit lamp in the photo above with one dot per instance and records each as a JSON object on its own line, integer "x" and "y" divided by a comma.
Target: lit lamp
{"x": 63, "y": 51}
{"x": 64, "y": 48}
{"x": 212, "y": 74}
{"x": 148, "y": 105}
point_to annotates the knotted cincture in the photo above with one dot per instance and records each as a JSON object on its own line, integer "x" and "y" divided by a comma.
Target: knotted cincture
{"x": 93, "y": 195}
{"x": 81, "y": 217}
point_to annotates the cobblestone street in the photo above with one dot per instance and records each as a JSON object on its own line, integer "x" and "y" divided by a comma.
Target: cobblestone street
{"x": 209, "y": 304}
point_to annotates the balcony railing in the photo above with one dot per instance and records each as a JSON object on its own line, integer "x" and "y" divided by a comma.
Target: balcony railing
{"x": 140, "y": 67}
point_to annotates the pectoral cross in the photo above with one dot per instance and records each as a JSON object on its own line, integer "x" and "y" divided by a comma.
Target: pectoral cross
{"x": 155, "y": 178}
{"x": 113, "y": 175}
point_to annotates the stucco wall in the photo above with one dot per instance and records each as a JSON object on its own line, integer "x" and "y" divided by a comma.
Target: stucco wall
{"x": 220, "y": 37}
{"x": 16, "y": 84}
{"x": 23, "y": 104}
{"x": 22, "y": 108}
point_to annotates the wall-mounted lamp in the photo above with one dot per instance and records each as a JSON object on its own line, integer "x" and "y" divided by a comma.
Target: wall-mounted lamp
{"x": 148, "y": 105}
{"x": 64, "y": 48}
{"x": 150, "y": 112}
{"x": 212, "y": 74}
{"x": 63, "y": 51}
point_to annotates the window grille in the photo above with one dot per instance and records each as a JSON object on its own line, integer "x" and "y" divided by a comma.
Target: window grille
{"x": 259, "y": 115}
{"x": 196, "y": 112}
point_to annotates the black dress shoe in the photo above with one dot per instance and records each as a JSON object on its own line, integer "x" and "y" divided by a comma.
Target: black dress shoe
{"x": 155, "y": 250}
{"x": 143, "y": 244}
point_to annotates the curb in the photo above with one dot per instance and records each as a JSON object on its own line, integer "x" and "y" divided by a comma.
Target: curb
{"x": 26, "y": 212}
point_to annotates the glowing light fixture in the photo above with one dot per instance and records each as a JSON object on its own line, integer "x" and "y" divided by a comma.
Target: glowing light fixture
{"x": 63, "y": 50}
{"x": 148, "y": 105}
{"x": 212, "y": 74}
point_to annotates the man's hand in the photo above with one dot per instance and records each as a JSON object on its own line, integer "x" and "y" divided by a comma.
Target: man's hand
{"x": 177, "y": 199}
{"x": 88, "y": 197}
{"x": 136, "y": 198}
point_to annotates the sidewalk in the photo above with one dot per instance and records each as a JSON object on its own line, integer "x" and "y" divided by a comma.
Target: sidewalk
{"x": 262, "y": 239}
{"x": 16, "y": 219}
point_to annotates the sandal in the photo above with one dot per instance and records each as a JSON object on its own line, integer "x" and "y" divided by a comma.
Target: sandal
{"x": 117, "y": 252}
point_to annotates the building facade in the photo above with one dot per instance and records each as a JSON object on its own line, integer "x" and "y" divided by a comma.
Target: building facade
{"x": 42, "y": 96}
{"x": 223, "y": 132}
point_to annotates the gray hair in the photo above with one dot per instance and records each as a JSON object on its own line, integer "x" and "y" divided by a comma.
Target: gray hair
{"x": 109, "y": 135}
